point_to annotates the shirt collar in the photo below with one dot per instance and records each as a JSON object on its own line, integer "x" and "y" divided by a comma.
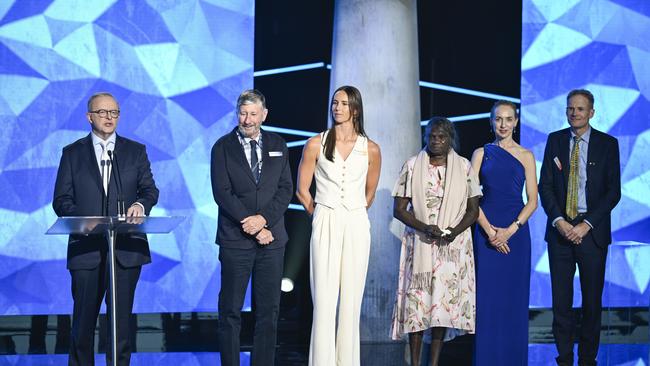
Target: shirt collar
{"x": 98, "y": 140}
{"x": 585, "y": 136}
{"x": 247, "y": 140}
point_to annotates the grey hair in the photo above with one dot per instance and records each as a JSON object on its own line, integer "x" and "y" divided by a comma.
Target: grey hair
{"x": 97, "y": 95}
{"x": 251, "y": 96}
{"x": 446, "y": 125}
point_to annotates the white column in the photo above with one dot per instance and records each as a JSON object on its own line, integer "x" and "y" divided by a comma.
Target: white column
{"x": 375, "y": 48}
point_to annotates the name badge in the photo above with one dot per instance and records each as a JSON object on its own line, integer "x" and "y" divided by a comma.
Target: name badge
{"x": 557, "y": 163}
{"x": 274, "y": 154}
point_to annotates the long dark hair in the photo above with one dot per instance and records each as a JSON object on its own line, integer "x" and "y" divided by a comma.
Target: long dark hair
{"x": 356, "y": 110}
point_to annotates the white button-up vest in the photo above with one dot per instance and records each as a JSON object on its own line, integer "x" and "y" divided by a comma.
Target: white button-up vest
{"x": 342, "y": 182}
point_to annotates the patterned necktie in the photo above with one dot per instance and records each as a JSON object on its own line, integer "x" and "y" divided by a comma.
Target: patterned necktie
{"x": 572, "y": 190}
{"x": 255, "y": 168}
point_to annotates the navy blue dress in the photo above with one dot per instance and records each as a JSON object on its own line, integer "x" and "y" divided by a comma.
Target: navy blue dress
{"x": 502, "y": 280}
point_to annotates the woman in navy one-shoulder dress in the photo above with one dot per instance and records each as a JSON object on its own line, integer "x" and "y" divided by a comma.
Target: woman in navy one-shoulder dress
{"x": 502, "y": 243}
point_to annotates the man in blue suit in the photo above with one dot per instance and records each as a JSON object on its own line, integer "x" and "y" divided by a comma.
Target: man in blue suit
{"x": 580, "y": 184}
{"x": 86, "y": 185}
{"x": 251, "y": 184}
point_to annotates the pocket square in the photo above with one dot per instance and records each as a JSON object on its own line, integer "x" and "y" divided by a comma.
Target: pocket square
{"x": 557, "y": 162}
{"x": 275, "y": 153}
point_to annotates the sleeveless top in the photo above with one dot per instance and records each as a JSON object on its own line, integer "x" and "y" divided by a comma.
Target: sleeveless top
{"x": 342, "y": 182}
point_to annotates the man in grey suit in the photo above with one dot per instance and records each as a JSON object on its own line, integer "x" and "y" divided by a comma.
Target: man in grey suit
{"x": 252, "y": 185}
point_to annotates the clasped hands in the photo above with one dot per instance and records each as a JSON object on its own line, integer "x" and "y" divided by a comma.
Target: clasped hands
{"x": 574, "y": 234}
{"x": 254, "y": 225}
{"x": 433, "y": 232}
{"x": 498, "y": 237}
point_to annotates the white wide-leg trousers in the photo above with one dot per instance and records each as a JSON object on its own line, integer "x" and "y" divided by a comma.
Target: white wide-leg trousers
{"x": 339, "y": 251}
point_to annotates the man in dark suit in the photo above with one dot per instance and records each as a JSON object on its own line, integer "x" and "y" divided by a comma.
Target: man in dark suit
{"x": 580, "y": 184}
{"x": 83, "y": 183}
{"x": 251, "y": 183}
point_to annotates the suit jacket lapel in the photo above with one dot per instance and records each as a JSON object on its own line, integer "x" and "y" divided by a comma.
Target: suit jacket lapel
{"x": 564, "y": 156}
{"x": 592, "y": 154}
{"x": 120, "y": 154}
{"x": 92, "y": 163}
{"x": 237, "y": 152}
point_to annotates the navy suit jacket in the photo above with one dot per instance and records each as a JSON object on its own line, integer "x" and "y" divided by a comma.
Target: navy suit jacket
{"x": 79, "y": 192}
{"x": 603, "y": 186}
{"x": 238, "y": 196}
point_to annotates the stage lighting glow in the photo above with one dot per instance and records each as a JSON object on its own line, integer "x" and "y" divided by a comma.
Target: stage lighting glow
{"x": 468, "y": 117}
{"x": 293, "y": 206}
{"x": 287, "y": 285}
{"x": 475, "y": 93}
{"x": 289, "y": 131}
{"x": 296, "y": 143}
{"x": 426, "y": 84}
{"x": 283, "y": 70}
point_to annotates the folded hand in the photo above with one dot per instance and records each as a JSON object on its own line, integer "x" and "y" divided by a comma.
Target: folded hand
{"x": 253, "y": 224}
{"x": 265, "y": 237}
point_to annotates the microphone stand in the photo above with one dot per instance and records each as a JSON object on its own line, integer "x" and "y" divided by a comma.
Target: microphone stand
{"x": 104, "y": 193}
{"x": 112, "y": 263}
{"x": 121, "y": 209}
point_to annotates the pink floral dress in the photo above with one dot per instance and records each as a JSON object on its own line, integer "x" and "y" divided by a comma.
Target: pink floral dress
{"x": 450, "y": 302}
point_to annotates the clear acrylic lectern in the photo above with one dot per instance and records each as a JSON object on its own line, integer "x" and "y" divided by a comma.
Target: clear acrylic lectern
{"x": 111, "y": 226}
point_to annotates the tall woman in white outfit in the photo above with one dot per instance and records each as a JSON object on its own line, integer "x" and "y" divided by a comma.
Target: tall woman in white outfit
{"x": 346, "y": 166}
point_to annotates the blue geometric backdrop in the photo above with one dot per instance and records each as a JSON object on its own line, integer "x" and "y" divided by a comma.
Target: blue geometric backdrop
{"x": 176, "y": 68}
{"x": 603, "y": 46}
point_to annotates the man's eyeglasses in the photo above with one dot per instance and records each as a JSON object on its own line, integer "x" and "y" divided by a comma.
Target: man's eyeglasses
{"x": 104, "y": 113}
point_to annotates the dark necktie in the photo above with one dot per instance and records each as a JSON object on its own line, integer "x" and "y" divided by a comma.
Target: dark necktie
{"x": 572, "y": 191}
{"x": 255, "y": 165}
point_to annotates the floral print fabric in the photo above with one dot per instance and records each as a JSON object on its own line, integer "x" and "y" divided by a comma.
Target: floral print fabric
{"x": 450, "y": 301}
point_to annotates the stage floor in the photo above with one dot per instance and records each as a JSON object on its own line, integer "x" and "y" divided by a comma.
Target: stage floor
{"x": 189, "y": 339}
{"x": 539, "y": 355}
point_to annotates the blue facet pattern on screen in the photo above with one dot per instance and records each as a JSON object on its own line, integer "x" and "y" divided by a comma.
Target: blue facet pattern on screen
{"x": 176, "y": 68}
{"x": 601, "y": 46}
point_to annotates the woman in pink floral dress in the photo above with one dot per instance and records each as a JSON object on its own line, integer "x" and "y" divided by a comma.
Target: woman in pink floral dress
{"x": 436, "y": 197}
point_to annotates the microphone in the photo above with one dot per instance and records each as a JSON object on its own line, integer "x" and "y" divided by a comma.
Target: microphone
{"x": 108, "y": 185}
{"x": 104, "y": 194}
{"x": 121, "y": 211}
